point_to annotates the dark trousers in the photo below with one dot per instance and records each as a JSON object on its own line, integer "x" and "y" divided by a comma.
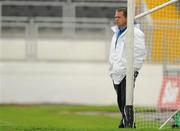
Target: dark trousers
{"x": 121, "y": 94}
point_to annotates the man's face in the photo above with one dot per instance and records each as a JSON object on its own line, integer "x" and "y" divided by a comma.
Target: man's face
{"x": 120, "y": 19}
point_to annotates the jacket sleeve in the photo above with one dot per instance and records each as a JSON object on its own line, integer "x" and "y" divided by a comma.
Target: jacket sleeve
{"x": 139, "y": 49}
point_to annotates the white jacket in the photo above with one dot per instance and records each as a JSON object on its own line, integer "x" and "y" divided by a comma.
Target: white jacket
{"x": 117, "y": 58}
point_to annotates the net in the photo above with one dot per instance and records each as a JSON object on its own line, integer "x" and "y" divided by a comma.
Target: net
{"x": 162, "y": 31}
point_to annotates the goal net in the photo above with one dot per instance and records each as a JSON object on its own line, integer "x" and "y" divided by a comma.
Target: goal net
{"x": 160, "y": 80}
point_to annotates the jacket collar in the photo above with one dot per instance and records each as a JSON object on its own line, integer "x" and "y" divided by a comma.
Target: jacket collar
{"x": 115, "y": 29}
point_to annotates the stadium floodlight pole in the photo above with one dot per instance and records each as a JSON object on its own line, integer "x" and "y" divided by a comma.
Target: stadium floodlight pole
{"x": 129, "y": 111}
{"x": 155, "y": 9}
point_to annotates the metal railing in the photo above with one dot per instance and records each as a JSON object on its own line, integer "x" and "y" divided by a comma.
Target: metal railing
{"x": 53, "y": 28}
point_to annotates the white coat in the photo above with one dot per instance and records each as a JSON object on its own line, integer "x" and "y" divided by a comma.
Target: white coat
{"x": 117, "y": 57}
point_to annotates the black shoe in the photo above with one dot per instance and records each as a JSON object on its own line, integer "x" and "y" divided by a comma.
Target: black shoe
{"x": 133, "y": 126}
{"x": 121, "y": 124}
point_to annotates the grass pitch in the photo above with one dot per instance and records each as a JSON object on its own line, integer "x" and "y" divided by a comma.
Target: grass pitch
{"x": 61, "y": 118}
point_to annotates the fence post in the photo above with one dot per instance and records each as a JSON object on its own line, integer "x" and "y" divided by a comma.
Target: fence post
{"x": 31, "y": 40}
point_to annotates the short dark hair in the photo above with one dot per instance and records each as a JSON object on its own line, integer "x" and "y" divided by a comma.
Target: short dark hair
{"x": 122, "y": 9}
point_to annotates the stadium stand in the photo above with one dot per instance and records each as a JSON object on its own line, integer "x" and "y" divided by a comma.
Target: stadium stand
{"x": 97, "y": 9}
{"x": 60, "y": 18}
{"x": 32, "y": 11}
{"x": 161, "y": 23}
{"x": 82, "y": 14}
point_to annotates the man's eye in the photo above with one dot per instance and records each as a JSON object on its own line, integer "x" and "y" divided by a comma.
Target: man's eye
{"x": 116, "y": 17}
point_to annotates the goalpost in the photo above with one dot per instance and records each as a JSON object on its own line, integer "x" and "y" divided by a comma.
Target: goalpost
{"x": 130, "y": 54}
{"x": 130, "y": 70}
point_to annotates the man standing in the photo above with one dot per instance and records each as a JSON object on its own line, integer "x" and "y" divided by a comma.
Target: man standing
{"x": 117, "y": 58}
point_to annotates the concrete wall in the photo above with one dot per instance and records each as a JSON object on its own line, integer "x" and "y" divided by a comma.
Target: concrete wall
{"x": 67, "y": 82}
{"x": 54, "y": 49}
{"x": 77, "y": 83}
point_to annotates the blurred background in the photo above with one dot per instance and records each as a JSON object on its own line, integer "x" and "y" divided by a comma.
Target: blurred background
{"x": 56, "y": 51}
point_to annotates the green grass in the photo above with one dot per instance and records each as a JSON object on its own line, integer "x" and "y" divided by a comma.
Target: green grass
{"x": 59, "y": 118}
